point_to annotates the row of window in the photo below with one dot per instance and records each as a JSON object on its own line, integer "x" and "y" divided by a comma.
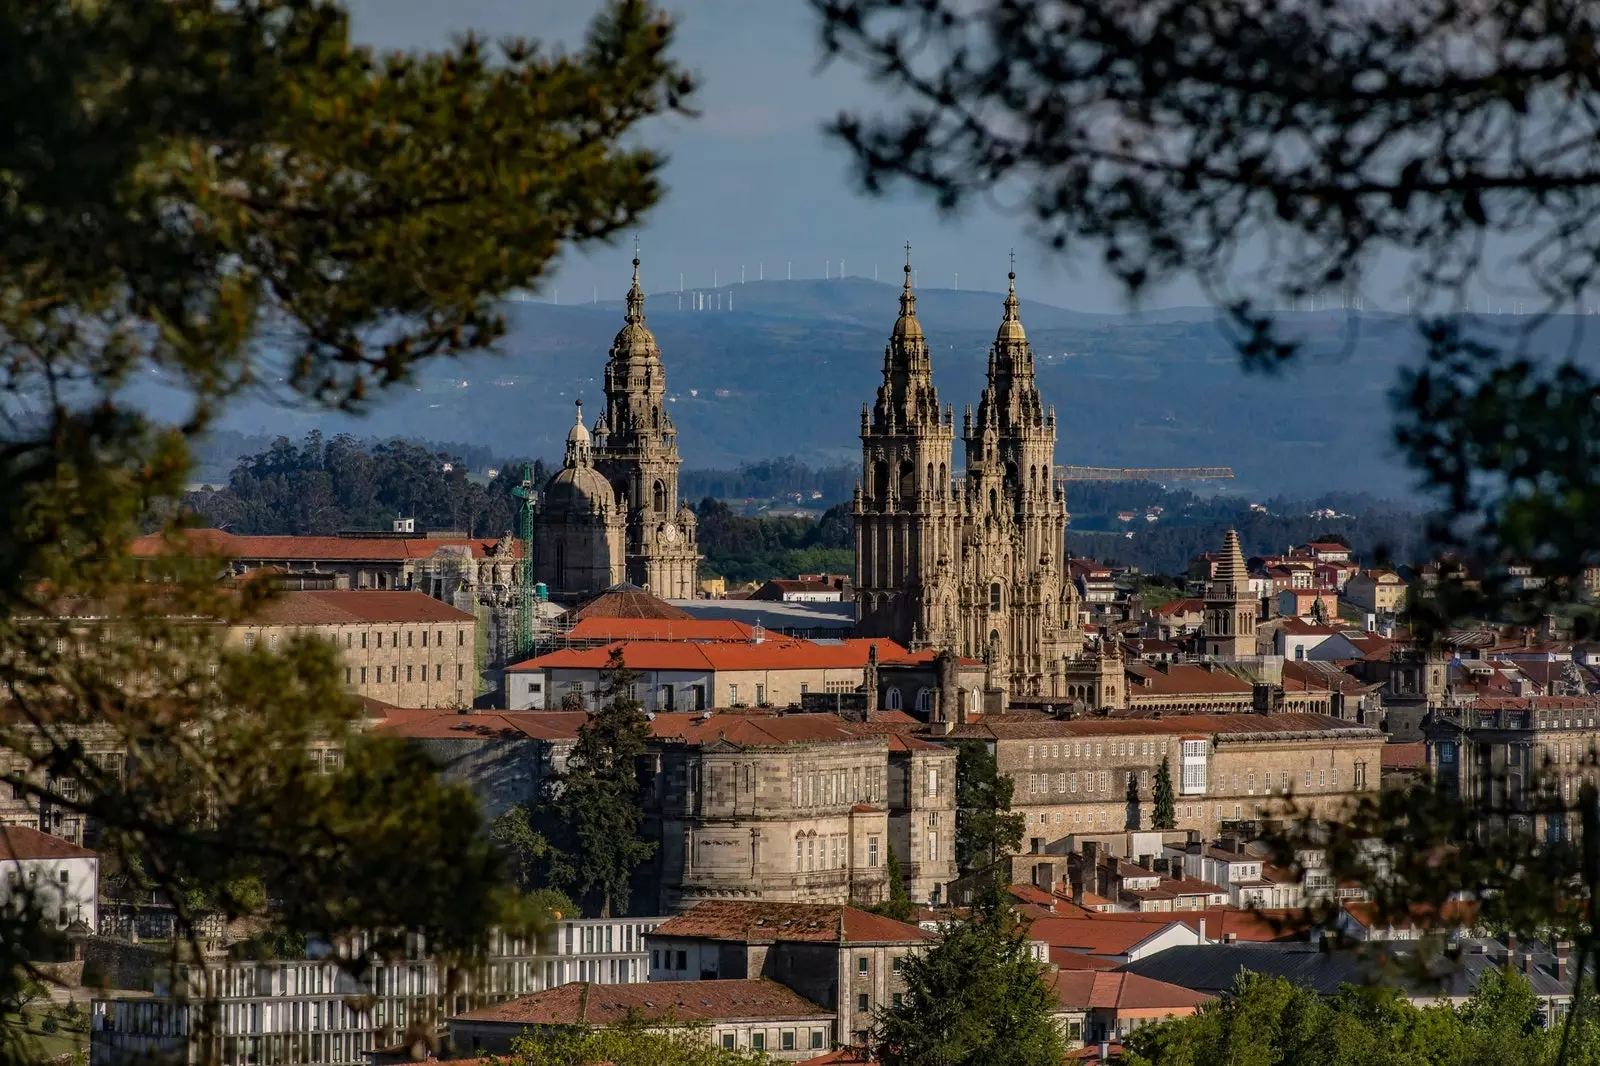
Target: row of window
{"x": 757, "y": 1040}
{"x": 394, "y": 673}
{"x": 812, "y": 852}
{"x": 394, "y": 639}
{"x": 1120, "y": 749}
{"x": 827, "y": 788}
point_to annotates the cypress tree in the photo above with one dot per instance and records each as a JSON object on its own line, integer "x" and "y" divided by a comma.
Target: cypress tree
{"x": 1166, "y": 812}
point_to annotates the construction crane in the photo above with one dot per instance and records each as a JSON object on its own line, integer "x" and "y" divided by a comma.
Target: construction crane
{"x": 525, "y": 591}
{"x": 1143, "y": 473}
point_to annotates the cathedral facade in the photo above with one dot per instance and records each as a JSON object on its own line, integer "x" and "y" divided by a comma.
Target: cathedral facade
{"x": 971, "y": 563}
{"x": 648, "y": 534}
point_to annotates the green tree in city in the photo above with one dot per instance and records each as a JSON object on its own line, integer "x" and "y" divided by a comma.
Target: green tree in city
{"x": 898, "y": 906}
{"x": 226, "y": 197}
{"x": 593, "y": 811}
{"x": 986, "y": 829}
{"x": 633, "y": 1043}
{"x": 1166, "y": 812}
{"x": 1309, "y": 156}
{"x": 976, "y": 997}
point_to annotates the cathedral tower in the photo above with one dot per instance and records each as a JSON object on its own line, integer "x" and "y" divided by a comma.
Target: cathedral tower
{"x": 1016, "y": 597}
{"x": 907, "y": 522}
{"x": 1229, "y": 630}
{"x": 636, "y": 449}
{"x": 578, "y": 537}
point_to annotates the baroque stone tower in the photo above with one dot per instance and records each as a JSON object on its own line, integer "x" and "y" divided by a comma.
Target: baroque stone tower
{"x": 578, "y": 537}
{"x": 636, "y": 450}
{"x": 977, "y": 567}
{"x": 1016, "y": 598}
{"x": 1229, "y": 630}
{"x": 907, "y": 520}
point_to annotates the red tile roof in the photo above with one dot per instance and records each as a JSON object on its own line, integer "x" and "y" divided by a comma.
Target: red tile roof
{"x": 609, "y": 629}
{"x": 629, "y": 601}
{"x": 1093, "y": 935}
{"x": 488, "y": 725}
{"x": 227, "y": 545}
{"x": 779, "y": 654}
{"x": 1183, "y": 679}
{"x": 749, "y": 730}
{"x": 1176, "y": 607}
{"x": 20, "y": 842}
{"x": 1258, "y": 926}
{"x": 354, "y": 607}
{"x": 1067, "y": 959}
{"x": 1100, "y": 990}
{"x": 763, "y": 922}
{"x": 1404, "y": 756}
{"x": 588, "y": 1003}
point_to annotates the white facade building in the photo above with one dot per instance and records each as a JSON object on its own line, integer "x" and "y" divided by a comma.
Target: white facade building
{"x": 62, "y": 879}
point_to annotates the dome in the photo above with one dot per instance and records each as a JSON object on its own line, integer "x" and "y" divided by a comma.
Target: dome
{"x": 686, "y": 515}
{"x": 634, "y": 337}
{"x": 1011, "y": 331}
{"x": 577, "y": 490}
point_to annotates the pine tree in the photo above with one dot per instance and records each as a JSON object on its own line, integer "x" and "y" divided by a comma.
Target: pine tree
{"x": 898, "y": 906}
{"x": 985, "y": 827}
{"x": 977, "y": 997}
{"x": 1166, "y": 812}
{"x": 593, "y": 812}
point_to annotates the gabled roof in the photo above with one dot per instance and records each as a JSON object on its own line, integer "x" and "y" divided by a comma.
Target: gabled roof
{"x": 759, "y": 922}
{"x": 1411, "y": 756}
{"x": 1093, "y": 935}
{"x": 588, "y": 1003}
{"x": 354, "y": 607}
{"x": 601, "y": 628}
{"x": 1181, "y": 679}
{"x": 1177, "y": 607}
{"x": 1218, "y": 725}
{"x": 781, "y": 653}
{"x": 1103, "y": 990}
{"x": 225, "y": 545}
{"x": 21, "y": 843}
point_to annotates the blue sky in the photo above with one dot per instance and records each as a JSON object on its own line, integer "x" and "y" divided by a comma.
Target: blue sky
{"x": 754, "y": 180}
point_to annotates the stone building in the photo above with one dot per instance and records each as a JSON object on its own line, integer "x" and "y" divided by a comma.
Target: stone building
{"x": 848, "y": 960}
{"x": 579, "y": 536}
{"x": 794, "y": 807}
{"x": 635, "y": 451}
{"x": 1098, "y": 774}
{"x": 1231, "y": 607}
{"x": 976, "y": 566}
{"x": 402, "y": 648}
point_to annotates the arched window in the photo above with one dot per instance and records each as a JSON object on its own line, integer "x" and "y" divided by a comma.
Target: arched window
{"x": 891, "y": 698}
{"x": 996, "y": 597}
{"x": 908, "y": 481}
{"x": 972, "y": 702}
{"x": 658, "y": 497}
{"x": 655, "y": 418}
{"x": 994, "y": 639}
{"x": 925, "y": 700}
{"x": 932, "y": 486}
{"x": 944, "y": 479}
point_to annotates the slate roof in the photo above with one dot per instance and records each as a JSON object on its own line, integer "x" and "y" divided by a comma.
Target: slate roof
{"x": 758, "y": 922}
{"x": 588, "y": 1003}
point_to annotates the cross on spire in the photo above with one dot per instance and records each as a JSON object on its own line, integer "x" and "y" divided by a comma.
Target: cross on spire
{"x": 1013, "y": 262}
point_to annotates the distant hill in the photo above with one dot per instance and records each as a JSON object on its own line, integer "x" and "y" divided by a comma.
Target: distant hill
{"x": 786, "y": 371}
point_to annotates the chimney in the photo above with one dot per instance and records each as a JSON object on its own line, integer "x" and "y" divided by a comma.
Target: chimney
{"x": 1563, "y": 952}
{"x": 1527, "y": 963}
{"x": 1202, "y": 930}
{"x": 1147, "y": 861}
{"x": 1230, "y": 938}
{"x": 1511, "y": 947}
{"x": 1105, "y": 1051}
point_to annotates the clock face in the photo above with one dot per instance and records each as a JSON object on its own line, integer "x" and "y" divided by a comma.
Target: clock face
{"x": 669, "y": 533}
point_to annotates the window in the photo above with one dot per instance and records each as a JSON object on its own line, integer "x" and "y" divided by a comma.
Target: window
{"x": 894, "y": 964}
{"x": 896, "y": 998}
{"x": 683, "y": 960}
{"x": 786, "y": 1040}
{"x": 347, "y": 675}
{"x": 1361, "y": 775}
{"x": 363, "y": 640}
{"x": 438, "y": 673}
{"x": 459, "y": 669}
{"x": 424, "y": 638}
{"x": 761, "y": 694}
{"x": 804, "y": 688}
{"x": 799, "y": 854}
{"x": 380, "y": 639}
{"x": 249, "y": 641}
{"x": 758, "y": 1041}
{"x": 872, "y": 851}
{"x": 733, "y": 694}
{"x": 408, "y": 673}
{"x": 411, "y": 638}
{"x": 461, "y": 637}
{"x": 933, "y": 847}
{"x": 816, "y": 1039}
{"x": 861, "y": 966}
{"x": 349, "y": 638}
{"x": 996, "y": 597}
{"x": 863, "y": 1002}
{"x": 933, "y": 780}
{"x": 363, "y": 675}
{"x": 727, "y": 1041}
{"x": 655, "y": 960}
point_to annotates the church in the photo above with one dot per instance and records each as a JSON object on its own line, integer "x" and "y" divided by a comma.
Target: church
{"x": 973, "y": 563}
{"x": 611, "y": 514}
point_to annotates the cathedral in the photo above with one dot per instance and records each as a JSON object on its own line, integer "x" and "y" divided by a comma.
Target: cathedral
{"x": 612, "y": 512}
{"x": 971, "y": 563}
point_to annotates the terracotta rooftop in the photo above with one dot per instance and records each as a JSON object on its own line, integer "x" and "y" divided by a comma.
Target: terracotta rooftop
{"x": 354, "y": 607}
{"x": 1257, "y": 925}
{"x": 778, "y": 654}
{"x": 1067, "y": 959}
{"x": 588, "y": 1003}
{"x": 415, "y": 724}
{"x": 1094, "y": 935}
{"x": 19, "y": 842}
{"x": 1183, "y": 679}
{"x": 755, "y": 730}
{"x": 994, "y": 727}
{"x": 227, "y": 545}
{"x": 1177, "y": 607}
{"x": 1099, "y": 990}
{"x": 1404, "y": 756}
{"x": 629, "y": 601}
{"x": 763, "y": 922}
{"x": 598, "y": 628}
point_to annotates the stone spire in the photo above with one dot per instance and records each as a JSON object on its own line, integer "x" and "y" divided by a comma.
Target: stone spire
{"x": 907, "y": 395}
{"x": 1232, "y": 580}
{"x": 1011, "y": 399}
{"x": 1011, "y": 331}
{"x": 907, "y": 327}
{"x": 578, "y": 441}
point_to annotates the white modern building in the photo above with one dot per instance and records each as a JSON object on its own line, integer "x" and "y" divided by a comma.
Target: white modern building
{"x": 329, "y": 1010}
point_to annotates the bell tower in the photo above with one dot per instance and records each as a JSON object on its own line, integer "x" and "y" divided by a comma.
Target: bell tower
{"x": 1229, "y": 630}
{"x": 907, "y": 521}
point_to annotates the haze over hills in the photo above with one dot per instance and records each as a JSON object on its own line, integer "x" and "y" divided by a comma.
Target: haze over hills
{"x": 786, "y": 371}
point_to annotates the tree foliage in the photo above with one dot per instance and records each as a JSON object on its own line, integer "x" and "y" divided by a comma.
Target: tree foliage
{"x": 986, "y": 829}
{"x": 742, "y": 548}
{"x": 898, "y": 905}
{"x": 323, "y": 486}
{"x": 976, "y": 997}
{"x": 592, "y": 813}
{"x": 633, "y": 1043}
{"x": 231, "y": 196}
{"x": 1264, "y": 1021}
{"x": 1166, "y": 809}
